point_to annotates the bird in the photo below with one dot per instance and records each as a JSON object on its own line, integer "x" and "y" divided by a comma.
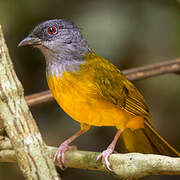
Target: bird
{"x": 93, "y": 91}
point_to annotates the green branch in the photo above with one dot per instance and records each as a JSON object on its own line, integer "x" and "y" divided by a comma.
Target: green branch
{"x": 126, "y": 166}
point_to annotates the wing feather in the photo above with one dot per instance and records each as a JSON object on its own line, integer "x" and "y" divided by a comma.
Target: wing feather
{"x": 115, "y": 87}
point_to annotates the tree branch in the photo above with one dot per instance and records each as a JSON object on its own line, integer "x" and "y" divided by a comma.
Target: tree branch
{"x": 172, "y": 66}
{"x": 125, "y": 166}
{"x": 39, "y": 98}
{"x": 31, "y": 152}
{"x": 138, "y": 73}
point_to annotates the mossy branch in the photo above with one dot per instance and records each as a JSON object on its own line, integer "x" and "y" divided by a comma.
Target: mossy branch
{"x": 31, "y": 152}
{"x": 125, "y": 166}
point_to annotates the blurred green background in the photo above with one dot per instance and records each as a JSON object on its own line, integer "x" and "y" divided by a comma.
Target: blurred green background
{"x": 129, "y": 33}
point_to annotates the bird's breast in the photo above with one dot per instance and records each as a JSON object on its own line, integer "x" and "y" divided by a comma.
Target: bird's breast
{"x": 76, "y": 97}
{"x": 79, "y": 97}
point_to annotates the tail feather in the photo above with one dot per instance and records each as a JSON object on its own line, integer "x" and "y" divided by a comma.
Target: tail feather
{"x": 147, "y": 140}
{"x": 158, "y": 142}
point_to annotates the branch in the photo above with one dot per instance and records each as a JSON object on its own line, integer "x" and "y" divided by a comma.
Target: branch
{"x": 38, "y": 98}
{"x": 125, "y": 166}
{"x": 151, "y": 70}
{"x": 31, "y": 152}
{"x": 143, "y": 72}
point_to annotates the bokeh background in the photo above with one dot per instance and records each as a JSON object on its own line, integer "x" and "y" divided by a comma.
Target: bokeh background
{"x": 129, "y": 34}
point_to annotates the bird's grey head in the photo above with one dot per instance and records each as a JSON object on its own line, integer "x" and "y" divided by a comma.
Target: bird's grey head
{"x": 57, "y": 39}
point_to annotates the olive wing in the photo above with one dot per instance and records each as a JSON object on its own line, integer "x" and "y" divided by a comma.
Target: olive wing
{"x": 116, "y": 88}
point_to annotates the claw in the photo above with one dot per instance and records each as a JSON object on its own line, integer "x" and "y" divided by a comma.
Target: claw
{"x": 105, "y": 154}
{"x": 60, "y": 154}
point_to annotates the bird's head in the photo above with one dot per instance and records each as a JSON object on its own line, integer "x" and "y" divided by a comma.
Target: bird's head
{"x": 56, "y": 37}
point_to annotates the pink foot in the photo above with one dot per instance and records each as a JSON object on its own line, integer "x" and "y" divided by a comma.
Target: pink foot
{"x": 105, "y": 154}
{"x": 60, "y": 154}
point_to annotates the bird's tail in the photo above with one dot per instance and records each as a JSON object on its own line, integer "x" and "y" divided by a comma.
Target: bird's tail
{"x": 147, "y": 140}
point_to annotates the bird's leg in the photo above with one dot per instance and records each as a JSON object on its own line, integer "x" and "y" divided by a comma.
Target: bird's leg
{"x": 60, "y": 153}
{"x": 106, "y": 153}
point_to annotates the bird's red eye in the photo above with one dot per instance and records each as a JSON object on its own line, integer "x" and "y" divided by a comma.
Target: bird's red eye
{"x": 52, "y": 30}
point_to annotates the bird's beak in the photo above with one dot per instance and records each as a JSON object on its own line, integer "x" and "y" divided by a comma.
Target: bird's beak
{"x": 31, "y": 41}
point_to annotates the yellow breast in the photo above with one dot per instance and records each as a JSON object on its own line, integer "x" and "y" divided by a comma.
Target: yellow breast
{"x": 78, "y": 97}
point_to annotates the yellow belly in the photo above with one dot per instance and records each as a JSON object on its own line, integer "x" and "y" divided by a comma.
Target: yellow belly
{"x": 78, "y": 100}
